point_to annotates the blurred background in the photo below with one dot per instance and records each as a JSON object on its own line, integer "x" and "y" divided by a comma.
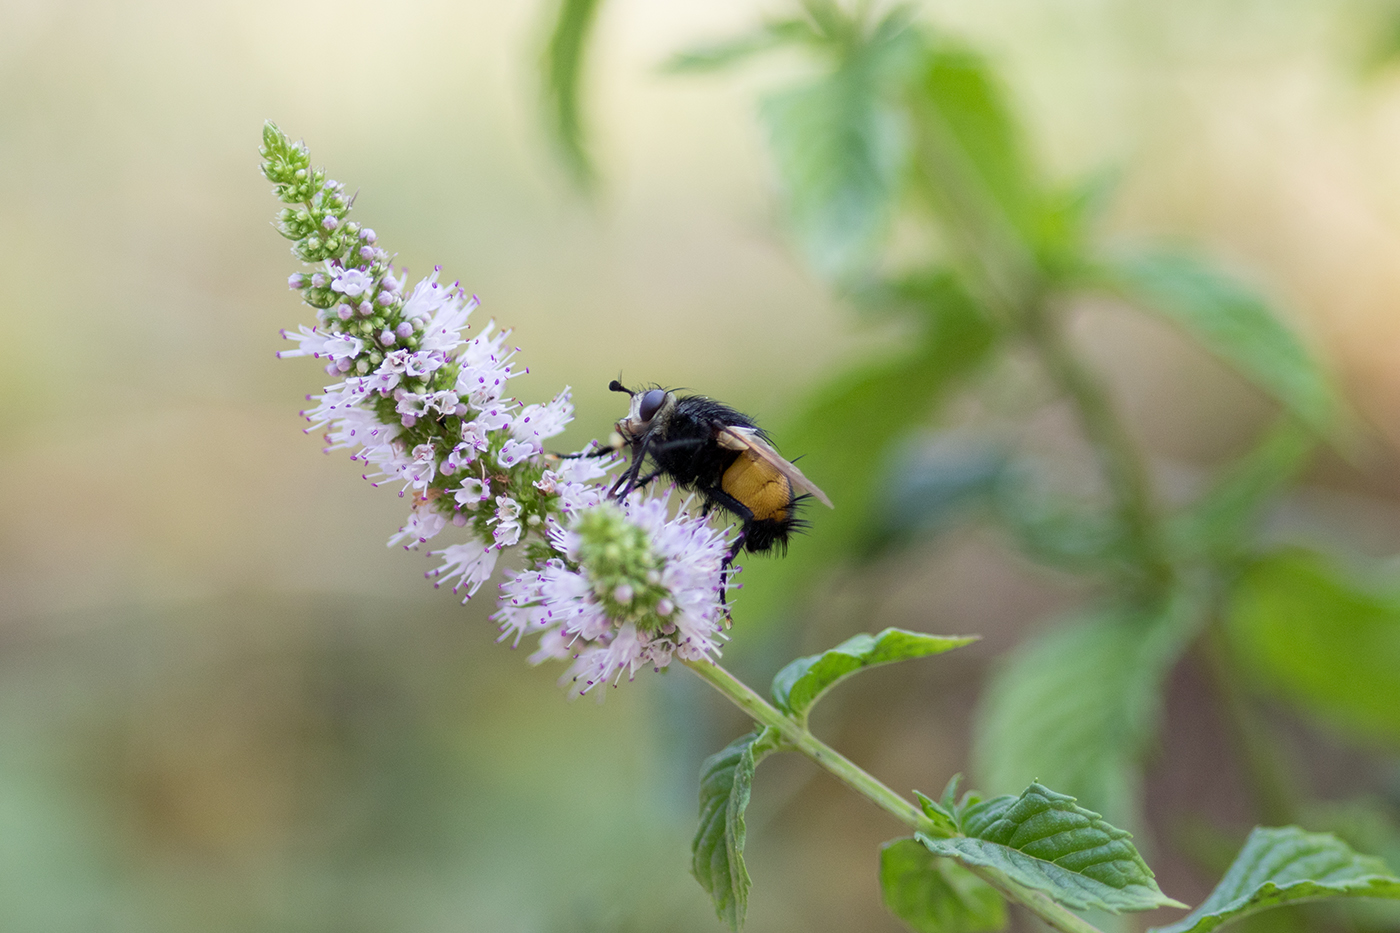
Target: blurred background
{"x": 226, "y": 706}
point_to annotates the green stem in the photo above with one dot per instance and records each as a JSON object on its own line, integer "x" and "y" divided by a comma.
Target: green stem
{"x": 1013, "y": 284}
{"x": 1274, "y": 791}
{"x": 795, "y": 735}
{"x": 1117, "y": 453}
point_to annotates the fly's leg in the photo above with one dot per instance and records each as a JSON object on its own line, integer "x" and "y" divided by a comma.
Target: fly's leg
{"x": 724, "y": 569}
{"x": 628, "y": 480}
{"x": 715, "y": 496}
{"x": 639, "y": 484}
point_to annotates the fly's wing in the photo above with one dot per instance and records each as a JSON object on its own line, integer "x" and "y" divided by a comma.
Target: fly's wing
{"x": 737, "y": 437}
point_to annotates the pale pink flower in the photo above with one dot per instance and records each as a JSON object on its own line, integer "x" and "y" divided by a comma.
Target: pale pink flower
{"x": 472, "y": 563}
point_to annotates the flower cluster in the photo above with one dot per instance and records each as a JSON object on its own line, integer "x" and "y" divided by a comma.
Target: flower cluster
{"x": 629, "y": 589}
{"x": 613, "y": 587}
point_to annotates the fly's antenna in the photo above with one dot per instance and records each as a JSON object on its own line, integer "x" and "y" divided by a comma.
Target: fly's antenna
{"x": 616, "y": 386}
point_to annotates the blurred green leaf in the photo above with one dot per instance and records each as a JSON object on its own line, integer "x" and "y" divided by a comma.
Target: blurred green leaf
{"x": 832, "y": 21}
{"x": 1219, "y": 524}
{"x": 936, "y": 895}
{"x": 717, "y": 55}
{"x": 1287, "y": 865}
{"x": 1045, "y": 841}
{"x": 717, "y": 852}
{"x": 839, "y": 145}
{"x": 1232, "y": 322}
{"x": 799, "y": 685}
{"x": 1384, "y": 48}
{"x": 1054, "y": 528}
{"x": 968, "y": 162}
{"x": 1063, "y": 221}
{"x": 1367, "y": 824}
{"x": 1370, "y": 826}
{"x": 960, "y": 112}
{"x": 563, "y": 74}
{"x": 851, "y": 424}
{"x": 1077, "y": 705}
{"x": 1310, "y": 632}
{"x": 839, "y": 154}
{"x": 933, "y": 483}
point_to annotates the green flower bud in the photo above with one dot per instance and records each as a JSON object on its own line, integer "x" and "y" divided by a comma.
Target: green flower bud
{"x": 624, "y": 570}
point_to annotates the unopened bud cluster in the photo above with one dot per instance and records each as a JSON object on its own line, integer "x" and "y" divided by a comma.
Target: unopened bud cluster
{"x": 418, "y": 404}
{"x": 623, "y": 568}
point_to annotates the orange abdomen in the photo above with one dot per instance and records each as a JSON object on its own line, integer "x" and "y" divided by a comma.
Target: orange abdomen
{"x": 759, "y": 486}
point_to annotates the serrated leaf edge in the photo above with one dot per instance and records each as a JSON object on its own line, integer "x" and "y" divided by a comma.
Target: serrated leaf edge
{"x": 973, "y": 850}
{"x": 1240, "y": 907}
{"x": 1152, "y": 897}
{"x": 731, "y": 904}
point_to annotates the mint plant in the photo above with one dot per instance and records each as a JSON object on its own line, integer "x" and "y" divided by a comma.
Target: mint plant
{"x": 615, "y": 586}
{"x": 904, "y": 124}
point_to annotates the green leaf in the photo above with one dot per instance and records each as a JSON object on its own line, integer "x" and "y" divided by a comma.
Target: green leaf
{"x": 942, "y": 817}
{"x": 1045, "y": 841}
{"x": 563, "y": 69}
{"x": 936, "y": 481}
{"x": 1312, "y": 633}
{"x": 1232, "y": 322}
{"x": 717, "y": 852}
{"x": 798, "y": 687}
{"x": 1055, "y": 528}
{"x": 1077, "y": 705}
{"x": 936, "y": 895}
{"x": 970, "y": 136}
{"x": 968, "y": 162}
{"x": 839, "y": 145}
{"x": 1285, "y": 866}
{"x": 717, "y": 55}
{"x": 1370, "y": 826}
{"x": 942, "y": 812}
{"x": 1384, "y": 45}
{"x": 948, "y": 802}
{"x": 1220, "y": 523}
{"x": 1064, "y": 223}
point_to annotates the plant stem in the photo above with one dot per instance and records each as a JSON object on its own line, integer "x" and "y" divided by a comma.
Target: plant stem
{"x": 796, "y": 736}
{"x": 1274, "y": 791}
{"x": 1117, "y": 453}
{"x": 850, "y": 774}
{"x": 1014, "y": 285}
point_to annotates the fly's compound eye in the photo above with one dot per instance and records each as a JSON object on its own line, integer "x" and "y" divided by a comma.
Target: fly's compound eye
{"x": 651, "y": 404}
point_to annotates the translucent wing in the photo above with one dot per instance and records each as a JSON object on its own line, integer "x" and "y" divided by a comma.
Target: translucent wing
{"x": 736, "y": 437}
